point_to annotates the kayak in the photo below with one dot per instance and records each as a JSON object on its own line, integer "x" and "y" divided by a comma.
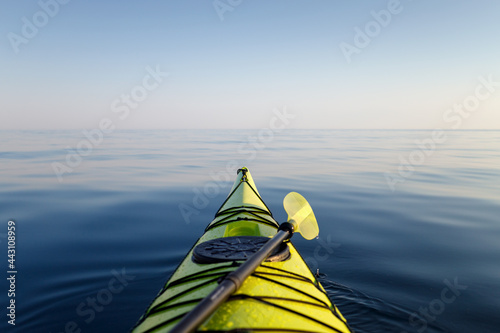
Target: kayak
{"x": 282, "y": 295}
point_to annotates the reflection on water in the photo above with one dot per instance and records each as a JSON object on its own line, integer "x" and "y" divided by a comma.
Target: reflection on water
{"x": 383, "y": 255}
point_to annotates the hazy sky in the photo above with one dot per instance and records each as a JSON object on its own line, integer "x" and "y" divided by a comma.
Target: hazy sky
{"x": 230, "y": 63}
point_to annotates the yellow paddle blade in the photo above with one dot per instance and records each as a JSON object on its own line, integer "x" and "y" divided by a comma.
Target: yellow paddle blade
{"x": 301, "y": 215}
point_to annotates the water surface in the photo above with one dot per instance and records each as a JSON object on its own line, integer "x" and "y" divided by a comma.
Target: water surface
{"x": 95, "y": 246}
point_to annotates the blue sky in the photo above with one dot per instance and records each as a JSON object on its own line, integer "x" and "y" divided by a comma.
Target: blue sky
{"x": 421, "y": 61}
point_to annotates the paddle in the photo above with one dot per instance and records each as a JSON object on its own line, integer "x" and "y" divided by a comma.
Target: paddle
{"x": 300, "y": 219}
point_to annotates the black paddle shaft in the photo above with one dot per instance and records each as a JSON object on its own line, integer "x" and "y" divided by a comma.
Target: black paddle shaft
{"x": 230, "y": 284}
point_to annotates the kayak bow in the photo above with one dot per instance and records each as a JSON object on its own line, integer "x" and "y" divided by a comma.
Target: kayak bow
{"x": 282, "y": 295}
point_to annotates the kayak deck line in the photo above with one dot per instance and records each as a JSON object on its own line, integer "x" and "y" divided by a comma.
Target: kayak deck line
{"x": 247, "y": 197}
{"x": 279, "y": 296}
{"x": 253, "y": 218}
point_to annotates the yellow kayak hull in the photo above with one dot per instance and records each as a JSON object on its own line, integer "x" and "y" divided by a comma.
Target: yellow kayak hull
{"x": 280, "y": 296}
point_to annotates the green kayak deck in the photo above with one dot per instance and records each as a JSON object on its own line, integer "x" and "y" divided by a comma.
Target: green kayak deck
{"x": 282, "y": 295}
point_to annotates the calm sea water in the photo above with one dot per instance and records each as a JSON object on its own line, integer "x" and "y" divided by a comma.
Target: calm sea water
{"x": 409, "y": 232}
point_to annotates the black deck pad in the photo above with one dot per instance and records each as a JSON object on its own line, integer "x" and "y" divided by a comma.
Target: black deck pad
{"x": 235, "y": 248}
